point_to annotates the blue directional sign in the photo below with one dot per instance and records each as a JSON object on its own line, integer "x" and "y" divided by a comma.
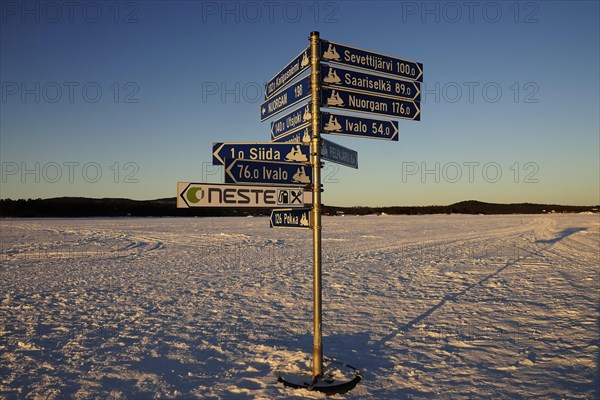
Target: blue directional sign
{"x": 339, "y": 154}
{"x": 297, "y": 119}
{"x": 260, "y": 152}
{"x": 341, "y": 54}
{"x": 291, "y": 218}
{"x": 287, "y": 98}
{"x": 298, "y": 65}
{"x": 301, "y": 135}
{"x": 346, "y": 125}
{"x": 366, "y": 103}
{"x": 361, "y": 82}
{"x": 270, "y": 172}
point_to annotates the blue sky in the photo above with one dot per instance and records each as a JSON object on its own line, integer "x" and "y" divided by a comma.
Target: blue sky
{"x": 124, "y": 99}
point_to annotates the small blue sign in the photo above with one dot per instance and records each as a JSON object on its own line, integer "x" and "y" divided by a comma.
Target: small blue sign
{"x": 270, "y": 172}
{"x": 297, "y": 119}
{"x": 260, "y": 152}
{"x": 341, "y": 54}
{"x": 287, "y": 98}
{"x": 346, "y": 125}
{"x": 339, "y": 154}
{"x": 291, "y": 218}
{"x": 366, "y": 103}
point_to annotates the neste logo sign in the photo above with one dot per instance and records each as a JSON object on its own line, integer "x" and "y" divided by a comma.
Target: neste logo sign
{"x": 219, "y": 195}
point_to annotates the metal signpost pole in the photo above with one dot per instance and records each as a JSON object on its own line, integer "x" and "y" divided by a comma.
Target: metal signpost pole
{"x": 315, "y": 150}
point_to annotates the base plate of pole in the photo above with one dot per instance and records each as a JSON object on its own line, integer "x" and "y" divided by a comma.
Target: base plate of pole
{"x": 337, "y": 378}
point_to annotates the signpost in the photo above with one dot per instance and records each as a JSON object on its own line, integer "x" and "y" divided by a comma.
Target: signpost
{"x": 286, "y": 98}
{"x": 366, "y": 103}
{"x": 271, "y": 172}
{"x": 367, "y": 83}
{"x": 278, "y": 174}
{"x": 290, "y": 218}
{"x": 346, "y": 125}
{"x": 260, "y": 152}
{"x": 339, "y": 154}
{"x": 298, "y": 65}
{"x": 219, "y": 195}
{"x": 315, "y": 152}
{"x": 341, "y": 54}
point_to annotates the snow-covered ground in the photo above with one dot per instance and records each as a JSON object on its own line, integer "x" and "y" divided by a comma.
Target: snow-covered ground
{"x": 444, "y": 307}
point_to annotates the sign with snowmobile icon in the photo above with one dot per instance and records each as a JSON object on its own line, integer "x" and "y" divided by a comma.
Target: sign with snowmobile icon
{"x": 290, "y": 218}
{"x": 346, "y": 125}
{"x": 298, "y": 65}
{"x": 291, "y": 122}
{"x": 358, "y": 58}
{"x": 269, "y": 151}
{"x": 271, "y": 172}
{"x": 376, "y": 84}
{"x": 366, "y": 103}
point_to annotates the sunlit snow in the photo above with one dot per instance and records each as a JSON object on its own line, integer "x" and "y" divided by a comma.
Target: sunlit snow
{"x": 425, "y": 306}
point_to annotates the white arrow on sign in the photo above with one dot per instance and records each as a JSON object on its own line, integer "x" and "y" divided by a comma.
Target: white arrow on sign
{"x": 286, "y": 98}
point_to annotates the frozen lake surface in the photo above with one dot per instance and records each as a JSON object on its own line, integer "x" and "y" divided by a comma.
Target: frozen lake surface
{"x": 444, "y": 307}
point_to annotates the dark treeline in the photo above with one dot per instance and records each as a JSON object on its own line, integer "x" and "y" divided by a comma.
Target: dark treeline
{"x": 78, "y": 207}
{"x": 85, "y": 207}
{"x": 466, "y": 207}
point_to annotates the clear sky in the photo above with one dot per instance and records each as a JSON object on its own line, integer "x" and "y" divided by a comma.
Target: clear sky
{"x": 124, "y": 99}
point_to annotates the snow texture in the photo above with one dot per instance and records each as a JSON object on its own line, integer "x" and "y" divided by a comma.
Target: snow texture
{"x": 442, "y": 307}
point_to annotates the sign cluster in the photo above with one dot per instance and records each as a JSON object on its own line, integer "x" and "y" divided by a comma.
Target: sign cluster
{"x": 285, "y": 173}
{"x": 279, "y": 174}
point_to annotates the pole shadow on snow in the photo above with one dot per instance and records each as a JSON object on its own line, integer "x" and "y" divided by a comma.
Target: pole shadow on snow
{"x": 454, "y": 296}
{"x": 379, "y": 346}
{"x": 369, "y": 356}
{"x": 561, "y": 235}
